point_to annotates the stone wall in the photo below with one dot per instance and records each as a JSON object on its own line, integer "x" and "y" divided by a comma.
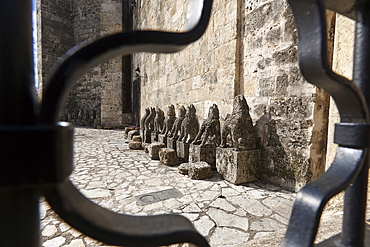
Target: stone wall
{"x": 54, "y": 34}
{"x": 291, "y": 114}
{"x": 250, "y": 48}
{"x": 102, "y": 96}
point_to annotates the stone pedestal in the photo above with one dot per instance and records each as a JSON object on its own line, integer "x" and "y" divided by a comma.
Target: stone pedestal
{"x": 154, "y": 149}
{"x": 238, "y": 167}
{"x": 162, "y": 138}
{"x": 171, "y": 142}
{"x": 168, "y": 157}
{"x": 135, "y": 145}
{"x": 147, "y": 138}
{"x": 132, "y": 133}
{"x": 154, "y": 137}
{"x": 182, "y": 151}
{"x": 206, "y": 153}
{"x": 199, "y": 170}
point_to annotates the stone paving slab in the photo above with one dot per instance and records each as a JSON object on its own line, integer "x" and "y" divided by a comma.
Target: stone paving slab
{"x": 112, "y": 175}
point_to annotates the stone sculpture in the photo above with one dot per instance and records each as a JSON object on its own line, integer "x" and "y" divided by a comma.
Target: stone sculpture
{"x": 149, "y": 121}
{"x": 158, "y": 120}
{"x": 209, "y": 132}
{"x": 79, "y": 116}
{"x": 176, "y": 128}
{"x": 146, "y": 114}
{"x": 169, "y": 121}
{"x": 189, "y": 126}
{"x": 239, "y": 127}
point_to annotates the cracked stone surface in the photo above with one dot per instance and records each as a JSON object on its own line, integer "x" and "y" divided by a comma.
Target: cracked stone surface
{"x": 112, "y": 175}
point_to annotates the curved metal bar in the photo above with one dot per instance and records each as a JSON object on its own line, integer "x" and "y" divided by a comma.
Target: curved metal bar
{"x": 119, "y": 229}
{"x": 310, "y": 20}
{"x": 312, "y": 41}
{"x": 80, "y": 59}
{"x": 311, "y": 199}
{"x": 65, "y": 199}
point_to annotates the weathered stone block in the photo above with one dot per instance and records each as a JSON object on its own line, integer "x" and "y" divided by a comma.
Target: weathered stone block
{"x": 206, "y": 153}
{"x": 132, "y": 133}
{"x": 171, "y": 143}
{"x": 128, "y": 129}
{"x": 168, "y": 157}
{"x": 182, "y": 150}
{"x": 238, "y": 167}
{"x": 135, "y": 145}
{"x": 162, "y": 138}
{"x": 153, "y": 150}
{"x": 154, "y": 137}
{"x": 137, "y": 138}
{"x": 199, "y": 170}
{"x": 184, "y": 168}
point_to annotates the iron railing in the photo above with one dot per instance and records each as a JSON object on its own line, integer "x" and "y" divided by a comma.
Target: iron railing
{"x": 349, "y": 171}
{"x": 36, "y": 151}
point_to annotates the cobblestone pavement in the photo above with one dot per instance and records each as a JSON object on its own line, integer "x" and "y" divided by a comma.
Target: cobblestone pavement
{"x": 110, "y": 174}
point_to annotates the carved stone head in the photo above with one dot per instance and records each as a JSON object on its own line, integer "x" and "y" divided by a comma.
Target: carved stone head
{"x": 181, "y": 112}
{"x": 240, "y": 105}
{"x": 213, "y": 112}
{"x": 171, "y": 111}
{"x": 190, "y": 111}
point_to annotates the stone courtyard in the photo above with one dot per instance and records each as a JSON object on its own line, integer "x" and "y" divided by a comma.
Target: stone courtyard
{"x": 107, "y": 172}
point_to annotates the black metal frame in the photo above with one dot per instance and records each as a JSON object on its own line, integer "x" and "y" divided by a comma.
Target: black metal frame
{"x": 349, "y": 171}
{"x": 37, "y": 152}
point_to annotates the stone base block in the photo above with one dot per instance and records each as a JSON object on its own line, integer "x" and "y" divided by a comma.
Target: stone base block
{"x": 199, "y": 170}
{"x": 184, "y": 168}
{"x": 154, "y": 148}
{"x": 147, "y": 138}
{"x": 162, "y": 138}
{"x": 205, "y": 153}
{"x": 135, "y": 145}
{"x": 168, "y": 157}
{"x": 137, "y": 138}
{"x": 171, "y": 142}
{"x": 128, "y": 129}
{"x": 154, "y": 136}
{"x": 238, "y": 167}
{"x": 132, "y": 133}
{"x": 182, "y": 151}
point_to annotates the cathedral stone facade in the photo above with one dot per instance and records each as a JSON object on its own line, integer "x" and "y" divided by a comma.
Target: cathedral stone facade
{"x": 249, "y": 48}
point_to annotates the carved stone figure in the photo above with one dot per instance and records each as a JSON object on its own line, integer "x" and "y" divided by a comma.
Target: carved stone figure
{"x": 239, "y": 127}
{"x": 92, "y": 115}
{"x": 79, "y": 117}
{"x": 74, "y": 116}
{"x": 146, "y": 114}
{"x": 149, "y": 121}
{"x": 169, "y": 121}
{"x": 209, "y": 132}
{"x": 158, "y": 120}
{"x": 189, "y": 126}
{"x": 176, "y": 128}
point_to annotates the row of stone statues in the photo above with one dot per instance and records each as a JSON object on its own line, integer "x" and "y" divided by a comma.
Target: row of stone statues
{"x": 231, "y": 150}
{"x": 83, "y": 117}
{"x": 237, "y": 131}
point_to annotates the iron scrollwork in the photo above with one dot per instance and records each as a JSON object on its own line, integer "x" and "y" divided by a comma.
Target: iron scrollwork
{"x": 49, "y": 164}
{"x": 349, "y": 168}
